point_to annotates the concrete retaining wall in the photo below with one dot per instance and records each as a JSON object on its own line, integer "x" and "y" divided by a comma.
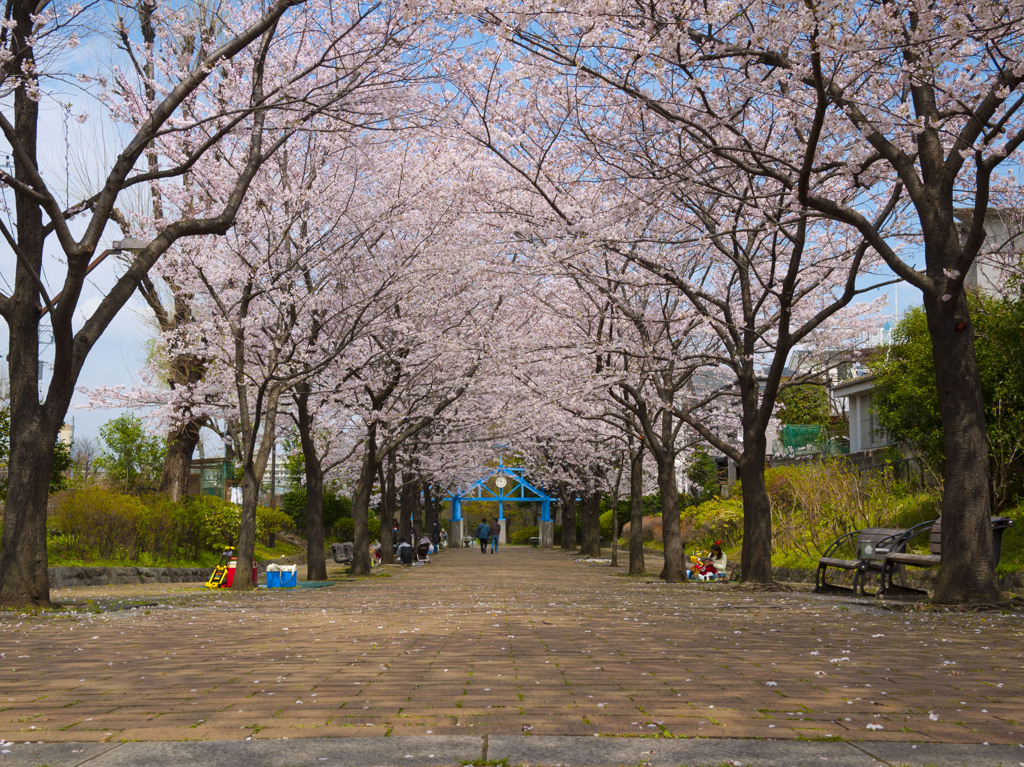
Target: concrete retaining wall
{"x": 65, "y": 577}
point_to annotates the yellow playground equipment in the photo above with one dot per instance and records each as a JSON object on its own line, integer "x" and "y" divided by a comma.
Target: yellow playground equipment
{"x": 219, "y": 577}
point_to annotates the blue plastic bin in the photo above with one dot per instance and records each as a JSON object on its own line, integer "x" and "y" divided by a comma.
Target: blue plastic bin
{"x": 282, "y": 579}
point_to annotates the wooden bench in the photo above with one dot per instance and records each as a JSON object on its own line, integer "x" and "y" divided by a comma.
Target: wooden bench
{"x": 869, "y": 548}
{"x": 897, "y": 559}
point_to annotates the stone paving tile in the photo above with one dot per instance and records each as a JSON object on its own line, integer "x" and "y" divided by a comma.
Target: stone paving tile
{"x": 534, "y": 639}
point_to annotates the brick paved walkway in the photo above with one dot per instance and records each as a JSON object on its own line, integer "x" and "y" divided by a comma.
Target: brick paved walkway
{"x": 523, "y": 641}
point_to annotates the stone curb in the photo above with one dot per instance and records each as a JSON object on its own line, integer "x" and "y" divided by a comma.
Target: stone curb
{"x": 568, "y": 751}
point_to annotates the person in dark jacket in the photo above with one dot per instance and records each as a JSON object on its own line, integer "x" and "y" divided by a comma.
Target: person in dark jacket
{"x": 495, "y": 535}
{"x": 483, "y": 534}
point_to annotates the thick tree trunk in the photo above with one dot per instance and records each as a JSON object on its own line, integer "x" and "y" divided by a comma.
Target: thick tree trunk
{"x": 967, "y": 573}
{"x": 674, "y": 570}
{"x": 756, "y": 565}
{"x": 636, "y": 512}
{"x": 316, "y": 562}
{"x": 568, "y": 517}
{"x": 33, "y": 430}
{"x": 361, "y": 505}
{"x": 590, "y": 544}
{"x": 247, "y": 529}
{"x": 24, "y": 579}
{"x": 181, "y": 446}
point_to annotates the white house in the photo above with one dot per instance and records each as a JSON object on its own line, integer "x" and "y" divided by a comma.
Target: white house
{"x": 1001, "y": 253}
{"x": 864, "y": 432}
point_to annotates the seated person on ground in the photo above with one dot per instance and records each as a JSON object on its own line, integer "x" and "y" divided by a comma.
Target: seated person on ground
{"x": 405, "y": 552}
{"x": 713, "y": 564}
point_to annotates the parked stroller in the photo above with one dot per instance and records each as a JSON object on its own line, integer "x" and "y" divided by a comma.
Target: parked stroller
{"x": 423, "y": 549}
{"x": 343, "y": 553}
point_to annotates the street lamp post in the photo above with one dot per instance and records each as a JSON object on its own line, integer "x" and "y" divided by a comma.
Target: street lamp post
{"x": 130, "y": 244}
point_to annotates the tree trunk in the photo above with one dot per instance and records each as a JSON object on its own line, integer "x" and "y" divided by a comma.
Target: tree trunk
{"x": 967, "y": 573}
{"x": 316, "y": 562}
{"x": 615, "y": 524}
{"x": 433, "y": 506}
{"x": 756, "y": 565}
{"x": 407, "y": 507}
{"x": 361, "y": 504}
{"x": 247, "y": 529}
{"x": 181, "y": 445}
{"x": 24, "y": 579}
{"x": 33, "y": 431}
{"x": 388, "y": 501}
{"x": 387, "y": 518}
{"x": 636, "y": 512}
{"x": 568, "y": 517}
{"x": 674, "y": 570}
{"x": 590, "y": 544}
{"x": 417, "y": 512}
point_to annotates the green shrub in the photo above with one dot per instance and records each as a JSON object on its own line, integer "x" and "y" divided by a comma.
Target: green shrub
{"x": 715, "y": 520}
{"x": 94, "y": 524}
{"x": 606, "y": 520}
{"x": 523, "y": 535}
{"x": 814, "y": 503}
{"x": 1012, "y": 557}
{"x": 335, "y": 508}
{"x": 345, "y": 529}
{"x": 268, "y": 521}
{"x": 294, "y": 504}
{"x": 220, "y": 520}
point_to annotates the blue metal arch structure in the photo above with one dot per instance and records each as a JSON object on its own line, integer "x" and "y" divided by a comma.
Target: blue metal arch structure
{"x": 517, "y": 490}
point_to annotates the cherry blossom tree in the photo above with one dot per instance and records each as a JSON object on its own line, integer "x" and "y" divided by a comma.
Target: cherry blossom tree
{"x": 745, "y": 253}
{"x": 887, "y": 119}
{"x": 32, "y": 35}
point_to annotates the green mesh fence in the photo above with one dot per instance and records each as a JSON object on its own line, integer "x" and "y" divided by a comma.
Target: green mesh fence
{"x": 796, "y": 437}
{"x": 812, "y": 439}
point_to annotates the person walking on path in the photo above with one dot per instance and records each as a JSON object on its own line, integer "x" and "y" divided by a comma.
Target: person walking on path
{"x": 483, "y": 534}
{"x": 495, "y": 534}
{"x": 435, "y": 536}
